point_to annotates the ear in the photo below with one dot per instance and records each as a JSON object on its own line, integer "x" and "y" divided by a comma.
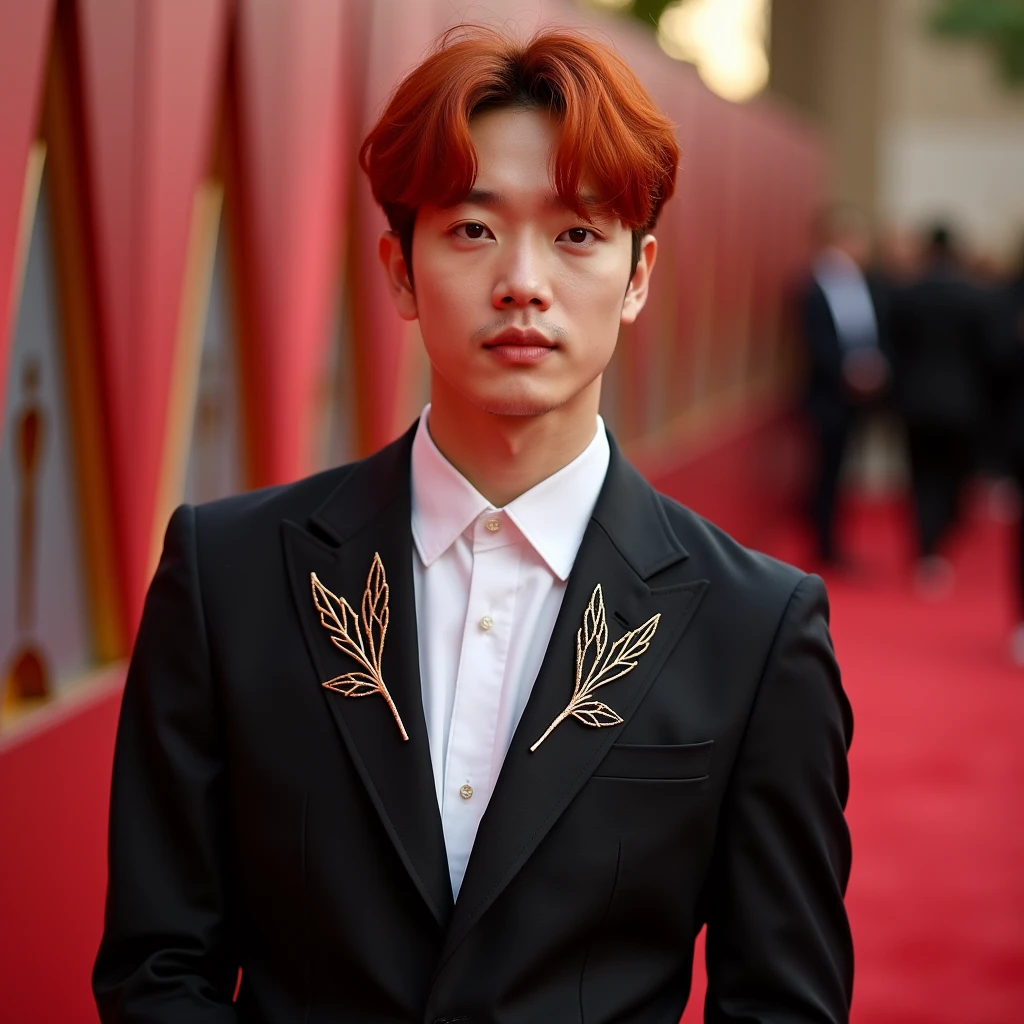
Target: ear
{"x": 636, "y": 293}
{"x": 389, "y": 250}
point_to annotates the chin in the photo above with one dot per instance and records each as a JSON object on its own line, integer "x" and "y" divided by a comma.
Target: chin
{"x": 517, "y": 402}
{"x": 516, "y": 407}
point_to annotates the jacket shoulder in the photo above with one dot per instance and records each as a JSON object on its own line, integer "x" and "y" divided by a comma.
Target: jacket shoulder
{"x": 296, "y": 500}
{"x": 748, "y": 574}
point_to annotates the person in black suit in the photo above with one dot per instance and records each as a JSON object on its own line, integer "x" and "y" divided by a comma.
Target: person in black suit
{"x": 1008, "y": 390}
{"x": 482, "y": 728}
{"x": 940, "y": 331}
{"x": 846, "y": 366}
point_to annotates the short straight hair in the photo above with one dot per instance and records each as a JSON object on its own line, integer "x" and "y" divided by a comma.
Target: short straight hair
{"x": 614, "y": 141}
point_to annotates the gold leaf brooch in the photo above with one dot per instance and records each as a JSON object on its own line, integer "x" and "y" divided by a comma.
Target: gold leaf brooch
{"x": 621, "y": 659}
{"x": 365, "y": 642}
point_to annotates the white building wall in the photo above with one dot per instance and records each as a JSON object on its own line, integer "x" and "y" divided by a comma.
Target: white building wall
{"x": 952, "y": 134}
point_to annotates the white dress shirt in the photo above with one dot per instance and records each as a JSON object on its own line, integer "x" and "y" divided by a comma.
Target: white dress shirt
{"x": 848, "y": 297}
{"x": 489, "y": 583}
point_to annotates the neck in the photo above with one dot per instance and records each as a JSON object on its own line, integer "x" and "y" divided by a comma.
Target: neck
{"x": 504, "y": 456}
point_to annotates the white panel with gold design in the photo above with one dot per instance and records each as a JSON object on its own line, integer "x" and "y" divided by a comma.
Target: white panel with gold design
{"x": 215, "y": 453}
{"x": 44, "y": 637}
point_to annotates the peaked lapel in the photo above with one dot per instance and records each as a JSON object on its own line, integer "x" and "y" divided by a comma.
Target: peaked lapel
{"x": 627, "y": 540}
{"x": 367, "y": 515}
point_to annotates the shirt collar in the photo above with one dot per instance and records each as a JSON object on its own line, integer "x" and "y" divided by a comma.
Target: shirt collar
{"x": 835, "y": 263}
{"x": 552, "y": 516}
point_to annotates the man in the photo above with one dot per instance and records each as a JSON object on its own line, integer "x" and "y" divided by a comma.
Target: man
{"x": 941, "y": 339}
{"x": 482, "y": 728}
{"x": 846, "y": 369}
{"x": 1008, "y": 391}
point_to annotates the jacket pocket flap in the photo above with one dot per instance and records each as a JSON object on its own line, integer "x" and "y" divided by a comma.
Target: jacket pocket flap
{"x": 648, "y": 761}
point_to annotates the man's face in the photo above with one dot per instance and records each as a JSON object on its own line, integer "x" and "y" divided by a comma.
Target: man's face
{"x": 855, "y": 242}
{"x": 519, "y": 299}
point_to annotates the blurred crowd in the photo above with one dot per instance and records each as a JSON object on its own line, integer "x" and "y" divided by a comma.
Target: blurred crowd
{"x": 914, "y": 327}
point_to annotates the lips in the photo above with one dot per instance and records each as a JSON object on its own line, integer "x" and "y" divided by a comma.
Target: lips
{"x": 515, "y": 337}
{"x": 515, "y": 347}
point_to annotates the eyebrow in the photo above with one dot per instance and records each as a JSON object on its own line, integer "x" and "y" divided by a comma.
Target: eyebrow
{"x": 485, "y": 197}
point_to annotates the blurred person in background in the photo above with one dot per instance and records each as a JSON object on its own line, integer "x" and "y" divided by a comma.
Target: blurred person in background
{"x": 1008, "y": 389}
{"x": 847, "y": 369}
{"x": 895, "y": 263}
{"x": 887, "y": 269}
{"x": 940, "y": 346}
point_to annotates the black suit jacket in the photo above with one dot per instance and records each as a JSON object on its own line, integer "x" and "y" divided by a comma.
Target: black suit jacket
{"x": 1007, "y": 372}
{"x": 941, "y": 336}
{"x": 827, "y": 397}
{"x": 262, "y": 821}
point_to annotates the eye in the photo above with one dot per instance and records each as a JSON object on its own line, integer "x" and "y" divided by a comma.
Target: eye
{"x": 472, "y": 231}
{"x": 579, "y": 236}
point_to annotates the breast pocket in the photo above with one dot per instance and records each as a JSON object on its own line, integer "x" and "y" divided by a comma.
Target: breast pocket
{"x": 678, "y": 762}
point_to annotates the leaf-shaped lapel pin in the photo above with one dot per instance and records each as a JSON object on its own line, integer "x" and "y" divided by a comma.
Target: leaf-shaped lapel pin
{"x": 595, "y": 668}
{"x": 362, "y": 641}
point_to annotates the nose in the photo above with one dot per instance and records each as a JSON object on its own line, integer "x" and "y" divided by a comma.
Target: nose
{"x": 522, "y": 278}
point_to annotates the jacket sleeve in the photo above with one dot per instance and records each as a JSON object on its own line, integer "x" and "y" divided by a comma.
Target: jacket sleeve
{"x": 165, "y": 955}
{"x": 824, "y": 354}
{"x": 778, "y": 941}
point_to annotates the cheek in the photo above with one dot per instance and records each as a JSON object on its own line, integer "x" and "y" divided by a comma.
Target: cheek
{"x": 444, "y": 296}
{"x": 595, "y": 304}
{"x": 441, "y": 278}
{"x": 598, "y": 281}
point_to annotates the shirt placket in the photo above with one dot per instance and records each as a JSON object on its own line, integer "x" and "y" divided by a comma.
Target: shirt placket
{"x": 484, "y": 656}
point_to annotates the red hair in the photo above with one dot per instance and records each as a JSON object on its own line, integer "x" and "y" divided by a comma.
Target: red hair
{"x": 613, "y": 139}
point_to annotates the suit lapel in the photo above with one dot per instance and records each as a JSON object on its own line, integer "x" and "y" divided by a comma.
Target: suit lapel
{"x": 628, "y": 540}
{"x": 369, "y": 515}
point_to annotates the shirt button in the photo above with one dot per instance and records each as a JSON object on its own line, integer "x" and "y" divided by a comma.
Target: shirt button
{"x": 486, "y": 623}
{"x": 466, "y": 791}
{"x": 492, "y": 525}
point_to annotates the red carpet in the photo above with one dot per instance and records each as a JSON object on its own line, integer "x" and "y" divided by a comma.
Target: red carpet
{"x": 937, "y": 804}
